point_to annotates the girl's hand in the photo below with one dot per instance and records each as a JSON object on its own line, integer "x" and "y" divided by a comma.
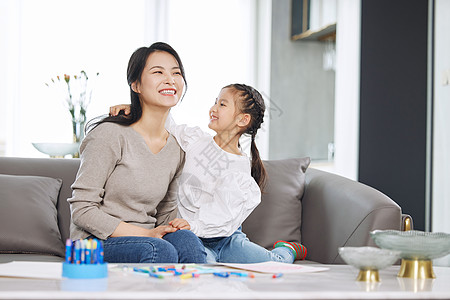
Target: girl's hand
{"x": 160, "y": 231}
{"x": 180, "y": 224}
{"x": 114, "y": 110}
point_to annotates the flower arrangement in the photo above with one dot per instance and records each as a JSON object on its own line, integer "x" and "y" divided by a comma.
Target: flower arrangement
{"x": 76, "y": 91}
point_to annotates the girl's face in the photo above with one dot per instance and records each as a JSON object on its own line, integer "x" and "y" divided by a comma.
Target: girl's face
{"x": 223, "y": 115}
{"x": 161, "y": 81}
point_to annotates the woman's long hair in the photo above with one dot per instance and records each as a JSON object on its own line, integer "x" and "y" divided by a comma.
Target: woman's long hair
{"x": 136, "y": 66}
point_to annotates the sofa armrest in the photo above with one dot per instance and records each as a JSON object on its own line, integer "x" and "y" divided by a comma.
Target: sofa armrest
{"x": 340, "y": 212}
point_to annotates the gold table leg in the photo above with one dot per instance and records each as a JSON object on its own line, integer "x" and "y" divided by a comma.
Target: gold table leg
{"x": 417, "y": 269}
{"x": 368, "y": 276}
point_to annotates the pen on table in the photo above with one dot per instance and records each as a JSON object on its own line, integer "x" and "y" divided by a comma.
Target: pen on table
{"x": 222, "y": 274}
{"x": 251, "y": 275}
{"x": 278, "y": 275}
{"x": 69, "y": 251}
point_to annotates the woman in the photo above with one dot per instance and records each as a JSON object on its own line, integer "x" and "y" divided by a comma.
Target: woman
{"x": 125, "y": 190}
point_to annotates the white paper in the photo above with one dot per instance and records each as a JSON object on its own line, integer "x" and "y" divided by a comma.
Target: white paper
{"x": 276, "y": 267}
{"x": 31, "y": 269}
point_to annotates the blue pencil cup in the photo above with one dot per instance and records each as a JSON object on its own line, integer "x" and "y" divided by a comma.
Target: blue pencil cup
{"x": 84, "y": 271}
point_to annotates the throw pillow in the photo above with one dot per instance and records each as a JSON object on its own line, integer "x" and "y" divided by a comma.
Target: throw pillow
{"x": 278, "y": 216}
{"x": 28, "y": 215}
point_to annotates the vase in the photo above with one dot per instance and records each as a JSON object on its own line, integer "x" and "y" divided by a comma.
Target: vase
{"x": 78, "y": 133}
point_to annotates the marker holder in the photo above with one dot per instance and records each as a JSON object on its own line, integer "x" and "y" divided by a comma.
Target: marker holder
{"x": 84, "y": 271}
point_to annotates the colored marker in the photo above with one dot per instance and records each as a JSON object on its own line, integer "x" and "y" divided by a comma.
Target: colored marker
{"x": 139, "y": 270}
{"x": 82, "y": 252}
{"x": 77, "y": 259}
{"x": 155, "y": 275}
{"x": 186, "y": 276}
{"x": 88, "y": 252}
{"x": 94, "y": 251}
{"x": 100, "y": 252}
{"x": 242, "y": 274}
{"x": 278, "y": 275}
{"x": 69, "y": 251}
{"x": 222, "y": 274}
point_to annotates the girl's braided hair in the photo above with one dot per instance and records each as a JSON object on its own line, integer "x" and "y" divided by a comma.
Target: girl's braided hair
{"x": 251, "y": 102}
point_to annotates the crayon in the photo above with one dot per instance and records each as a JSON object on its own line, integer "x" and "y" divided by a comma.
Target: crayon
{"x": 278, "y": 275}
{"x": 69, "y": 251}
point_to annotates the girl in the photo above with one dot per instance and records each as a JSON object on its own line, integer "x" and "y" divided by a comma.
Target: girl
{"x": 122, "y": 193}
{"x": 219, "y": 187}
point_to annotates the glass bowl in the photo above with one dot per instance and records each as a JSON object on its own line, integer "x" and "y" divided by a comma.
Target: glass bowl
{"x": 369, "y": 258}
{"x": 413, "y": 244}
{"x": 57, "y": 149}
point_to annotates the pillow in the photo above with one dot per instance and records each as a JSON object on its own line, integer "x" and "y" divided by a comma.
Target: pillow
{"x": 278, "y": 216}
{"x": 28, "y": 215}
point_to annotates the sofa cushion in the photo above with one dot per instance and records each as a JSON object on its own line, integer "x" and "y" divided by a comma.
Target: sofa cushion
{"x": 278, "y": 216}
{"x": 28, "y": 212}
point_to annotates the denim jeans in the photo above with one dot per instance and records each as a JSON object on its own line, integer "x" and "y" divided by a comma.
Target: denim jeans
{"x": 181, "y": 246}
{"x": 237, "y": 248}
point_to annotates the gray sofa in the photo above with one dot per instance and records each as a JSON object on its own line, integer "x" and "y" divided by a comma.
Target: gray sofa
{"x": 322, "y": 210}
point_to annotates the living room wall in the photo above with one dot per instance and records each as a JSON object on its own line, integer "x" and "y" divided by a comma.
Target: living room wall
{"x": 441, "y": 121}
{"x": 301, "y": 93}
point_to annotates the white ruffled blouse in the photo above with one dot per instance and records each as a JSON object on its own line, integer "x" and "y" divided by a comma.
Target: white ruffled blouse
{"x": 216, "y": 190}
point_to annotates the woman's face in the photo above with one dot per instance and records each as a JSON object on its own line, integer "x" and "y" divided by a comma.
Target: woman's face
{"x": 161, "y": 81}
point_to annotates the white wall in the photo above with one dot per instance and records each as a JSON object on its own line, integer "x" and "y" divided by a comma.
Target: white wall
{"x": 346, "y": 118}
{"x": 441, "y": 126}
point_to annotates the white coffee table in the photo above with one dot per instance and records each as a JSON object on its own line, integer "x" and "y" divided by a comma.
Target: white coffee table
{"x": 336, "y": 283}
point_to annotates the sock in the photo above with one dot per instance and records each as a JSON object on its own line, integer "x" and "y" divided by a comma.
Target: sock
{"x": 298, "y": 249}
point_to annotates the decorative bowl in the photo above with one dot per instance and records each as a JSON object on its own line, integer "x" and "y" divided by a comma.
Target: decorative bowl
{"x": 369, "y": 258}
{"x": 57, "y": 149}
{"x": 413, "y": 244}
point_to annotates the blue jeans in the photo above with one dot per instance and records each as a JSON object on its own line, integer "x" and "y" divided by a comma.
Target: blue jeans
{"x": 237, "y": 248}
{"x": 181, "y": 246}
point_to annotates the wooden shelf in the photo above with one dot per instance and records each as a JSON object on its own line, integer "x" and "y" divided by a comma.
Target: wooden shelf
{"x": 323, "y": 34}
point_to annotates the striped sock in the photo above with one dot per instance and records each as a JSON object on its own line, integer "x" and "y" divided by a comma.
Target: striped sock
{"x": 298, "y": 249}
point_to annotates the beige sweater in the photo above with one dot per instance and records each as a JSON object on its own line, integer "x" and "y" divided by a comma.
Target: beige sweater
{"x": 120, "y": 179}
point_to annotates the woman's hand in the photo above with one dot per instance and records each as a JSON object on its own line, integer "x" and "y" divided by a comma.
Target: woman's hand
{"x": 125, "y": 229}
{"x": 162, "y": 230}
{"x": 180, "y": 224}
{"x": 114, "y": 110}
